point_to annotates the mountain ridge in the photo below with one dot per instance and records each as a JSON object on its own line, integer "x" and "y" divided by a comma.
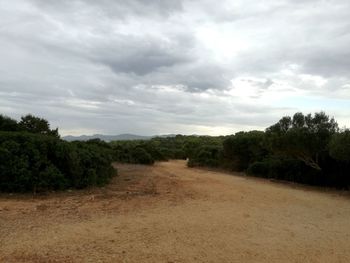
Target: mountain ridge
{"x": 109, "y": 138}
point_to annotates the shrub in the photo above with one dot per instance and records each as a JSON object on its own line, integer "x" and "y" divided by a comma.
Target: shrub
{"x": 243, "y": 149}
{"x": 207, "y": 155}
{"x": 340, "y": 146}
{"x": 139, "y": 155}
{"x": 36, "y": 162}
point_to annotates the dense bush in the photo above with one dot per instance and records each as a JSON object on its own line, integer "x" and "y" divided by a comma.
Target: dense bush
{"x": 243, "y": 149}
{"x": 307, "y": 149}
{"x": 37, "y": 160}
{"x": 8, "y": 124}
{"x": 340, "y": 146}
{"x": 207, "y": 155}
{"x": 283, "y": 169}
{"x": 138, "y": 152}
{"x": 200, "y": 150}
{"x": 305, "y": 138}
{"x": 204, "y": 151}
{"x": 141, "y": 156}
{"x": 146, "y": 152}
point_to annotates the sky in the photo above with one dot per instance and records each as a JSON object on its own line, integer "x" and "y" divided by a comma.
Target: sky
{"x": 164, "y": 66}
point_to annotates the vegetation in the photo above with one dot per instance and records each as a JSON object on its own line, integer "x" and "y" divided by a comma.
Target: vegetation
{"x": 196, "y": 148}
{"x": 308, "y": 149}
{"x": 34, "y": 158}
{"x": 340, "y": 146}
{"x": 147, "y": 152}
{"x": 243, "y": 149}
{"x": 305, "y": 138}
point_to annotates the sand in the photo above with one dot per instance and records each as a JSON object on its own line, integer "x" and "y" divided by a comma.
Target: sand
{"x": 170, "y": 213}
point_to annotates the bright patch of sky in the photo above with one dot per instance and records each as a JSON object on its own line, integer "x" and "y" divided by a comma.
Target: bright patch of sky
{"x": 190, "y": 66}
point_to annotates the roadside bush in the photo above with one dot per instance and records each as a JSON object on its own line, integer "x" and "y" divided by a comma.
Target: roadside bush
{"x": 50, "y": 178}
{"x": 244, "y": 148}
{"x": 286, "y": 169}
{"x": 94, "y": 165}
{"x": 36, "y": 162}
{"x": 259, "y": 169}
{"x": 139, "y": 155}
{"x": 207, "y": 155}
{"x": 340, "y": 146}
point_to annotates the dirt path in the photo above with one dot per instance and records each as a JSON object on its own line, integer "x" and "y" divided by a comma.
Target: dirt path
{"x": 171, "y": 213}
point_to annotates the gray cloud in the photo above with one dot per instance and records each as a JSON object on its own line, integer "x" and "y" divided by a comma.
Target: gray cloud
{"x": 141, "y": 55}
{"x": 112, "y": 8}
{"x": 191, "y": 66}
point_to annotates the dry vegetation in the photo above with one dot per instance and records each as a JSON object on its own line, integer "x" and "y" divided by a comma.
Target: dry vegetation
{"x": 171, "y": 213}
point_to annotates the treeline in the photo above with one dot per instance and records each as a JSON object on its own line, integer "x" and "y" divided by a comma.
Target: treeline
{"x": 308, "y": 149}
{"x": 198, "y": 149}
{"x": 34, "y": 158}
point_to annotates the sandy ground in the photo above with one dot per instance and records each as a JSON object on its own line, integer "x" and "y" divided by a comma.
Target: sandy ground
{"x": 170, "y": 213}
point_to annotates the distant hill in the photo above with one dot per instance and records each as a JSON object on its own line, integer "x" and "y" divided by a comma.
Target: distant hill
{"x": 109, "y": 138}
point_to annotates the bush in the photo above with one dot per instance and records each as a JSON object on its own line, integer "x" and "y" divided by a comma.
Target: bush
{"x": 50, "y": 178}
{"x": 139, "y": 155}
{"x": 36, "y": 162}
{"x": 260, "y": 169}
{"x": 8, "y": 124}
{"x": 243, "y": 149}
{"x": 207, "y": 155}
{"x": 340, "y": 146}
{"x": 286, "y": 169}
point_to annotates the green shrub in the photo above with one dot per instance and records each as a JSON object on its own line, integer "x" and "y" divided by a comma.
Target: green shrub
{"x": 244, "y": 148}
{"x": 36, "y": 162}
{"x": 340, "y": 146}
{"x": 207, "y": 155}
{"x": 260, "y": 169}
{"x": 139, "y": 155}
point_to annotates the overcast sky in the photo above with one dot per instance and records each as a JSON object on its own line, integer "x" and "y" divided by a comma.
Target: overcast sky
{"x": 164, "y": 66}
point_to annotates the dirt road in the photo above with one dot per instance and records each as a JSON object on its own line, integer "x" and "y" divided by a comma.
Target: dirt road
{"x": 171, "y": 213}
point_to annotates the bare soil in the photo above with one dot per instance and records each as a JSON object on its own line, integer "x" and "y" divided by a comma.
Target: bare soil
{"x": 170, "y": 213}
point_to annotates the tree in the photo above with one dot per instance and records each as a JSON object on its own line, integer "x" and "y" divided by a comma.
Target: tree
{"x": 32, "y": 161}
{"x": 244, "y": 148}
{"x": 34, "y": 124}
{"x": 8, "y": 124}
{"x": 339, "y": 147}
{"x": 206, "y": 155}
{"x": 305, "y": 138}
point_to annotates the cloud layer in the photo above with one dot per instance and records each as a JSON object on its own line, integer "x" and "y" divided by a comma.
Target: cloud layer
{"x": 191, "y": 66}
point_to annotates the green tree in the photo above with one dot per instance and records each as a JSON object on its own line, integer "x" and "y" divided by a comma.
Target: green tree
{"x": 339, "y": 147}
{"x": 244, "y": 148}
{"x": 8, "y": 124}
{"x": 305, "y": 138}
{"x": 34, "y": 124}
{"x": 206, "y": 155}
